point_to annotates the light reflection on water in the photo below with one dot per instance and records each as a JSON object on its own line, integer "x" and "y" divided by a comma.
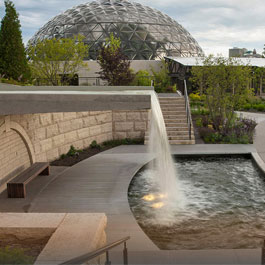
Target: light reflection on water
{"x": 224, "y": 205}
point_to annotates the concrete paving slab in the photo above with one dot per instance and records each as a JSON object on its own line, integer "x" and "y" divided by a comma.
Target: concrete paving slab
{"x": 76, "y": 235}
{"x": 33, "y": 189}
{"x": 100, "y": 184}
{"x": 200, "y": 257}
{"x": 33, "y": 220}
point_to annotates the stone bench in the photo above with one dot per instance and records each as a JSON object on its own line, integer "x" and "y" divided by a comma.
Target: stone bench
{"x": 16, "y": 188}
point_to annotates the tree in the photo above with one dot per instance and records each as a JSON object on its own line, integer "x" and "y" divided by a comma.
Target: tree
{"x": 161, "y": 79}
{"x": 13, "y": 61}
{"x": 114, "y": 64}
{"x": 225, "y": 82}
{"x": 57, "y": 60}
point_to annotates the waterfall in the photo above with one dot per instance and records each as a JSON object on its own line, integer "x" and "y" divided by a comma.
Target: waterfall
{"x": 162, "y": 167}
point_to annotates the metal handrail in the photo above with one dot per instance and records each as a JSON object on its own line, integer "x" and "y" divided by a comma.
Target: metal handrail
{"x": 263, "y": 253}
{"x": 86, "y": 257}
{"x": 187, "y": 107}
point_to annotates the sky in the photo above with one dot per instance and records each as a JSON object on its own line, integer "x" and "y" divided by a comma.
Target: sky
{"x": 217, "y": 25}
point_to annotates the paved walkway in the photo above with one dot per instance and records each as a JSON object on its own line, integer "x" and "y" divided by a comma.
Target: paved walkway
{"x": 100, "y": 184}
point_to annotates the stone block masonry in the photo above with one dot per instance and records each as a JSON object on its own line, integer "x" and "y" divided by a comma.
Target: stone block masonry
{"x": 45, "y": 137}
{"x": 130, "y": 124}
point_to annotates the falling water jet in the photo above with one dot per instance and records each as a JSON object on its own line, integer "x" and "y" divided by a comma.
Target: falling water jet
{"x": 163, "y": 165}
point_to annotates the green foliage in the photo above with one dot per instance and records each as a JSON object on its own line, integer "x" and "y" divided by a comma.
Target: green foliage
{"x": 246, "y": 106}
{"x": 95, "y": 145}
{"x": 13, "y": 82}
{"x": 142, "y": 78}
{"x": 200, "y": 111}
{"x": 72, "y": 151}
{"x": 225, "y": 85}
{"x": 57, "y": 60}
{"x": 127, "y": 141}
{"x": 253, "y": 104}
{"x": 14, "y": 256}
{"x": 13, "y": 62}
{"x": 195, "y": 97}
{"x": 161, "y": 79}
{"x": 241, "y": 132}
{"x": 114, "y": 64}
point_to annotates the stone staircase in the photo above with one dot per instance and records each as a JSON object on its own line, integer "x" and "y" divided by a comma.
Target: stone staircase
{"x": 175, "y": 117}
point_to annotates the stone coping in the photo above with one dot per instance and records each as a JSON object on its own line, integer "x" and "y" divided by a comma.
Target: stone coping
{"x": 8, "y": 87}
{"x": 14, "y": 103}
{"x": 259, "y": 161}
{"x": 72, "y": 234}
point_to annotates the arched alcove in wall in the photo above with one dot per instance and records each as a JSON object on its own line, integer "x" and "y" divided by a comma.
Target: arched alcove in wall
{"x": 16, "y": 150}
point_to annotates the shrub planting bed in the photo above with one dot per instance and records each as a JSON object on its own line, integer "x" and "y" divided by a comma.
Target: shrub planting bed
{"x": 75, "y": 155}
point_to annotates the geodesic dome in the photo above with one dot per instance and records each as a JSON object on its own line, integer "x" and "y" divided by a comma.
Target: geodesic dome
{"x": 145, "y": 33}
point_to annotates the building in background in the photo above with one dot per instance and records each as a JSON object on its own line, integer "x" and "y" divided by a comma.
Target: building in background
{"x": 147, "y": 35}
{"x": 243, "y": 53}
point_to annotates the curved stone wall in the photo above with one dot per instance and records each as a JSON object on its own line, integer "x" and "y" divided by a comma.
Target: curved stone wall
{"x": 44, "y": 137}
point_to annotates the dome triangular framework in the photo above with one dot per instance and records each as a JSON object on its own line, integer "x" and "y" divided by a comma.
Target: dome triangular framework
{"x": 145, "y": 33}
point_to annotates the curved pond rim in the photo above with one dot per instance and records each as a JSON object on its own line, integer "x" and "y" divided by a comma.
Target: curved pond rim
{"x": 254, "y": 156}
{"x": 151, "y": 225}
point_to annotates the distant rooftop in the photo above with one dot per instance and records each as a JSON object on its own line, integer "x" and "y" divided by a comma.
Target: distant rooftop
{"x": 198, "y": 61}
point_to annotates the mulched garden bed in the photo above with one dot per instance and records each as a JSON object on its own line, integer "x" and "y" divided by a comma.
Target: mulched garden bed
{"x": 69, "y": 161}
{"x": 75, "y": 156}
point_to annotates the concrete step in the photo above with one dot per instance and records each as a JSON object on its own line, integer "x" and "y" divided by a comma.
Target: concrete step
{"x": 175, "y": 142}
{"x": 181, "y": 137}
{"x": 174, "y": 116}
{"x": 176, "y": 120}
{"x": 174, "y": 133}
{"x": 178, "y": 128}
{"x": 172, "y": 103}
{"x": 170, "y": 98}
{"x": 179, "y": 111}
{"x": 176, "y": 124}
{"x": 185, "y": 131}
{"x": 173, "y": 112}
{"x": 175, "y": 107}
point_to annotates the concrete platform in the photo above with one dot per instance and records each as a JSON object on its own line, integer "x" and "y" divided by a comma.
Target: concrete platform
{"x": 100, "y": 183}
{"x": 69, "y": 234}
{"x": 34, "y": 99}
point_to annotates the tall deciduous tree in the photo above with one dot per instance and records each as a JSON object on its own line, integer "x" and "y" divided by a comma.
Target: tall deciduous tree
{"x": 114, "y": 64}
{"x": 57, "y": 60}
{"x": 225, "y": 82}
{"x": 13, "y": 61}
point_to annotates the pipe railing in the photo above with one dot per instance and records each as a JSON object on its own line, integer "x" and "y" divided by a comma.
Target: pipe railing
{"x": 263, "y": 253}
{"x": 89, "y": 256}
{"x": 187, "y": 107}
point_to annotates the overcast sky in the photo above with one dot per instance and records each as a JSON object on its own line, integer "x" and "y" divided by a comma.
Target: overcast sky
{"x": 217, "y": 25}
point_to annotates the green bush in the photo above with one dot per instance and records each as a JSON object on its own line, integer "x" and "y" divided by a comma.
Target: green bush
{"x": 260, "y": 107}
{"x": 142, "y": 78}
{"x": 161, "y": 79}
{"x": 200, "y": 111}
{"x": 113, "y": 143}
{"x": 72, "y": 151}
{"x": 95, "y": 145}
{"x": 14, "y": 256}
{"x": 247, "y": 106}
{"x": 199, "y": 122}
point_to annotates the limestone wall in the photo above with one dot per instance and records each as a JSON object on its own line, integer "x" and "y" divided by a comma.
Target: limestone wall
{"x": 129, "y": 124}
{"x": 32, "y": 138}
